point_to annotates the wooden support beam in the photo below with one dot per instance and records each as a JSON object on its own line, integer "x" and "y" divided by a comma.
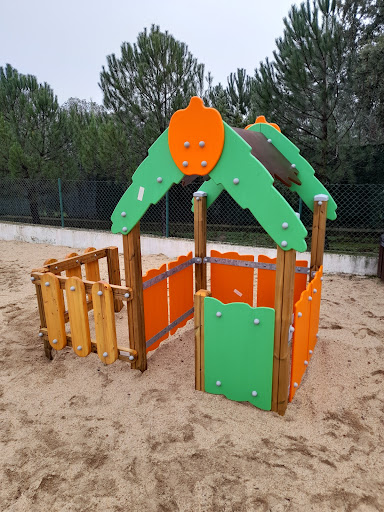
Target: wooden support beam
{"x": 284, "y": 292}
{"x": 73, "y": 262}
{"x": 43, "y": 322}
{"x": 114, "y": 273}
{"x": 318, "y": 232}
{"x": 199, "y": 338}
{"x": 200, "y": 220}
{"x": 135, "y": 307}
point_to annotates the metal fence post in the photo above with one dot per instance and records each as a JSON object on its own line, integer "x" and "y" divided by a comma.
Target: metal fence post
{"x": 300, "y": 206}
{"x": 61, "y": 202}
{"x": 167, "y": 215}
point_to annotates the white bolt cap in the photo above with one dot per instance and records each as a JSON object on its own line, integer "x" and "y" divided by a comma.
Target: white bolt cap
{"x": 185, "y": 163}
{"x": 126, "y": 295}
{"x": 256, "y": 321}
{"x": 317, "y": 335}
{"x": 309, "y": 298}
{"x": 218, "y": 383}
{"x": 299, "y": 314}
{"x": 201, "y": 143}
{"x": 79, "y": 347}
{"x": 305, "y": 362}
{"x": 46, "y": 283}
{"x": 41, "y": 334}
{"x": 284, "y": 225}
{"x": 284, "y": 243}
{"x": 100, "y": 293}
{"x": 105, "y": 354}
{"x": 254, "y": 393}
{"x": 295, "y": 385}
{"x": 293, "y": 166}
{"x": 159, "y": 179}
{"x": 321, "y": 278}
{"x": 291, "y": 328}
{"x": 203, "y": 163}
{"x": 54, "y": 341}
{"x": 123, "y": 214}
{"x": 131, "y": 358}
{"x": 186, "y": 144}
{"x": 269, "y": 140}
{"x": 125, "y": 229}
{"x": 218, "y": 314}
{"x": 32, "y": 278}
{"x": 314, "y": 290}
{"x": 311, "y": 351}
{"x": 72, "y": 288}
{"x": 236, "y": 181}
{"x": 319, "y": 203}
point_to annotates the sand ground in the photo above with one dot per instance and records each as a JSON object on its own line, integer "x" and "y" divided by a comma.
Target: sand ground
{"x": 80, "y": 436}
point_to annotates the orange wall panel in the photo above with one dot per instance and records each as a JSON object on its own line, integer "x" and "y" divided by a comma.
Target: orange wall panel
{"x": 180, "y": 291}
{"x": 155, "y": 307}
{"x": 232, "y": 284}
{"x": 315, "y": 310}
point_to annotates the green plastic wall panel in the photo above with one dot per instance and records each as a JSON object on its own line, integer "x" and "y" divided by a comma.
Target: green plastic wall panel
{"x": 251, "y": 186}
{"x": 213, "y": 191}
{"x": 310, "y": 185}
{"x": 146, "y": 189}
{"x": 239, "y": 352}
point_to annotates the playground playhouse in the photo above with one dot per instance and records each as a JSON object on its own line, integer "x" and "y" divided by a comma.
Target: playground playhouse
{"x": 255, "y": 354}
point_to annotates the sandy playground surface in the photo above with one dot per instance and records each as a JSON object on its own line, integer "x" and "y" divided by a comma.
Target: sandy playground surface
{"x": 80, "y": 436}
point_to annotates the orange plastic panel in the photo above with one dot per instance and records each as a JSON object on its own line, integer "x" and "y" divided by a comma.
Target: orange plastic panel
{"x": 180, "y": 291}
{"x": 266, "y": 283}
{"x": 232, "y": 284}
{"x": 261, "y": 119}
{"x": 155, "y": 307}
{"x": 302, "y": 310}
{"x": 196, "y": 138}
{"x": 315, "y": 310}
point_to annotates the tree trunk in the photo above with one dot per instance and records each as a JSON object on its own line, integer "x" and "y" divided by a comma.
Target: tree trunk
{"x": 32, "y": 194}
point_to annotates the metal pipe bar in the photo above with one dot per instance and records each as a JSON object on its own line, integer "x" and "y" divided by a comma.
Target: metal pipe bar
{"x": 164, "y": 331}
{"x": 168, "y": 273}
{"x": 250, "y": 264}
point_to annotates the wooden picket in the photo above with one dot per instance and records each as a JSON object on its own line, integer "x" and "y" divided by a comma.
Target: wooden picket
{"x": 78, "y": 316}
{"x": 105, "y": 327}
{"x": 53, "y": 301}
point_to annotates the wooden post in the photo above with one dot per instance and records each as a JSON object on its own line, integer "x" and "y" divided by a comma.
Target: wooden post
{"x": 199, "y": 338}
{"x": 200, "y": 209}
{"x": 318, "y": 232}
{"x": 284, "y": 291}
{"x": 135, "y": 307}
{"x": 114, "y": 272}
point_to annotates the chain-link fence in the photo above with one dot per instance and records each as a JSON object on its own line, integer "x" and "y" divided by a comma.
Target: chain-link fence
{"x": 89, "y": 205}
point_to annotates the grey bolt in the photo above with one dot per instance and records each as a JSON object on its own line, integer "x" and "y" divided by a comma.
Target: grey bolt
{"x": 254, "y": 393}
{"x": 236, "y": 181}
{"x": 309, "y": 298}
{"x": 284, "y": 243}
{"x": 56, "y": 267}
{"x": 317, "y": 335}
{"x": 32, "y": 278}
{"x": 131, "y": 358}
{"x": 321, "y": 278}
{"x": 54, "y": 341}
{"x": 105, "y": 354}
{"x": 77, "y": 261}
{"x": 203, "y": 163}
{"x": 256, "y": 321}
{"x": 269, "y": 140}
{"x": 218, "y": 314}
{"x": 197, "y": 198}
{"x": 311, "y": 352}
{"x": 95, "y": 255}
{"x": 46, "y": 283}
{"x": 293, "y": 166}
{"x": 299, "y": 314}
{"x": 305, "y": 362}
{"x": 295, "y": 385}
{"x": 72, "y": 288}
{"x": 314, "y": 290}
{"x": 319, "y": 203}
{"x": 185, "y": 163}
{"x": 284, "y": 225}
{"x": 126, "y": 295}
{"x": 125, "y": 229}
{"x": 159, "y": 179}
{"x": 291, "y": 328}
{"x": 41, "y": 334}
{"x": 201, "y": 143}
{"x": 100, "y": 293}
{"x": 79, "y": 347}
{"x": 123, "y": 214}
{"x": 186, "y": 144}
{"x": 218, "y": 383}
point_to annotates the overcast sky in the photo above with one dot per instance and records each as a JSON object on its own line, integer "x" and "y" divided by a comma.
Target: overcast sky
{"x": 65, "y": 43}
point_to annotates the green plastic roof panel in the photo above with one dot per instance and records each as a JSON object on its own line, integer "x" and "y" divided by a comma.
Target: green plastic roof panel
{"x": 152, "y": 179}
{"x": 310, "y": 185}
{"x": 251, "y": 186}
{"x": 238, "y": 351}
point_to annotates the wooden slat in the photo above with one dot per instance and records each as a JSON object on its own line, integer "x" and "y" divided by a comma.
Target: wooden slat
{"x": 118, "y": 291}
{"x": 135, "y": 307}
{"x": 78, "y": 316}
{"x": 54, "y": 310}
{"x": 68, "y": 263}
{"x": 199, "y": 338}
{"x": 122, "y": 357}
{"x": 89, "y": 308}
{"x": 318, "y": 235}
{"x": 105, "y": 327}
{"x": 50, "y": 261}
{"x": 200, "y": 228}
{"x": 73, "y": 271}
{"x": 43, "y": 322}
{"x": 92, "y": 271}
{"x": 284, "y": 291}
{"x": 114, "y": 273}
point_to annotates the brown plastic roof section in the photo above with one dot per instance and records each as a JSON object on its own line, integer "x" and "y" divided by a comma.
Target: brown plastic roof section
{"x": 275, "y": 163}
